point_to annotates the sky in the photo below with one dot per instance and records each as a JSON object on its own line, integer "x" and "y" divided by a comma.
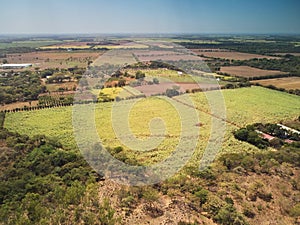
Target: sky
{"x": 149, "y": 16}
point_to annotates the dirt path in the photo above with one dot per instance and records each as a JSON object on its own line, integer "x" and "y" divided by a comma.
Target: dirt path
{"x": 208, "y": 113}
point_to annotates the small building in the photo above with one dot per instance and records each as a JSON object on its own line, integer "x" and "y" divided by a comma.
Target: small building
{"x": 264, "y": 135}
{"x": 15, "y": 66}
{"x": 288, "y": 129}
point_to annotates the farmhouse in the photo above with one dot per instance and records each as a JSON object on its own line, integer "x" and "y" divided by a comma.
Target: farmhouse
{"x": 15, "y": 66}
{"x": 264, "y": 135}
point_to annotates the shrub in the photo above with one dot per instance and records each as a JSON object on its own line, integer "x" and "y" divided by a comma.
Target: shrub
{"x": 249, "y": 213}
{"x": 295, "y": 211}
{"x": 150, "y": 194}
{"x": 202, "y": 195}
{"x": 229, "y": 216}
{"x": 213, "y": 204}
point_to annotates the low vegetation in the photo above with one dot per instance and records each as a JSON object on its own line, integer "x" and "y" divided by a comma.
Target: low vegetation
{"x": 21, "y": 86}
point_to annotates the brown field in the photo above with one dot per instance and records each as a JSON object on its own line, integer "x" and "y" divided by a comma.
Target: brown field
{"x": 287, "y": 83}
{"x": 66, "y": 85}
{"x": 164, "y": 55}
{"x": 169, "y": 57}
{"x": 232, "y": 55}
{"x": 247, "y": 71}
{"x": 17, "y": 105}
{"x": 54, "y": 59}
{"x": 160, "y": 88}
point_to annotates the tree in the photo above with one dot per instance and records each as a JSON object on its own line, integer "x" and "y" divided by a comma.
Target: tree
{"x": 139, "y": 75}
{"x": 202, "y": 195}
{"x": 241, "y": 134}
{"x": 61, "y": 89}
{"x": 172, "y": 92}
{"x": 155, "y": 81}
{"x": 121, "y": 82}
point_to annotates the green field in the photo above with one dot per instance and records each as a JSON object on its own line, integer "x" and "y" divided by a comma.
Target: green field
{"x": 30, "y": 44}
{"x": 244, "y": 106}
{"x": 172, "y": 75}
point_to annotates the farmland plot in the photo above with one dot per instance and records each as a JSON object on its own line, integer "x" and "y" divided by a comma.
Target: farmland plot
{"x": 287, "y": 83}
{"x": 244, "y": 106}
{"x": 249, "y": 72}
{"x": 232, "y": 55}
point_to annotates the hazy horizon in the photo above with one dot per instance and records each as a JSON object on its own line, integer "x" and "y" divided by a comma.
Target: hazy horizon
{"x": 150, "y": 17}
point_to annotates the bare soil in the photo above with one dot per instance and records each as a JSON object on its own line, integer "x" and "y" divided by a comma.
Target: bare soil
{"x": 247, "y": 71}
{"x": 287, "y": 83}
{"x": 232, "y": 55}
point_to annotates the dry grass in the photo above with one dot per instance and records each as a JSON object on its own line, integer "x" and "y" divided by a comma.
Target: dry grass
{"x": 66, "y": 85}
{"x": 247, "y": 71}
{"x": 232, "y": 55}
{"x": 286, "y": 82}
{"x": 18, "y": 105}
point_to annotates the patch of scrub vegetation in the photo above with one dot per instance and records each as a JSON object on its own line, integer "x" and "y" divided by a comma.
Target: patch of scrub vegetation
{"x": 42, "y": 183}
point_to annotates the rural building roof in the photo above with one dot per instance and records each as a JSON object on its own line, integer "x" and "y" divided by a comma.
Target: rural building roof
{"x": 16, "y": 65}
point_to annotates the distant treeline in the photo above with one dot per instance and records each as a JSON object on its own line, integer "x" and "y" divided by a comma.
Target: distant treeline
{"x": 249, "y": 47}
{"x": 288, "y": 63}
{"x": 12, "y": 50}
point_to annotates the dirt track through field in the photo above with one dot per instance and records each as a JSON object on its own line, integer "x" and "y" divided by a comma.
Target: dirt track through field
{"x": 201, "y": 110}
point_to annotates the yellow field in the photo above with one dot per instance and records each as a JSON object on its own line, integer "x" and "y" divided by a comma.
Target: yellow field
{"x": 244, "y": 106}
{"x": 54, "y": 47}
{"x": 120, "y": 46}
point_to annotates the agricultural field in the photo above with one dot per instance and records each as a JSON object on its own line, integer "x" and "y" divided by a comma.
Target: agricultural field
{"x": 28, "y": 43}
{"x": 15, "y": 105}
{"x": 67, "y": 45}
{"x": 126, "y": 46}
{"x": 161, "y": 88}
{"x": 110, "y": 94}
{"x": 166, "y": 75}
{"x": 54, "y": 59}
{"x": 287, "y": 83}
{"x": 68, "y": 86}
{"x": 93, "y": 45}
{"x": 249, "y": 72}
{"x": 164, "y": 56}
{"x": 244, "y": 106}
{"x": 107, "y": 93}
{"x": 231, "y": 55}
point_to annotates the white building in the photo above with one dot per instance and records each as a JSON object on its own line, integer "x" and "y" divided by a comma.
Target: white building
{"x": 15, "y": 66}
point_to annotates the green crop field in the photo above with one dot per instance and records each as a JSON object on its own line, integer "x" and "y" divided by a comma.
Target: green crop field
{"x": 30, "y": 44}
{"x": 244, "y": 106}
{"x": 172, "y": 75}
